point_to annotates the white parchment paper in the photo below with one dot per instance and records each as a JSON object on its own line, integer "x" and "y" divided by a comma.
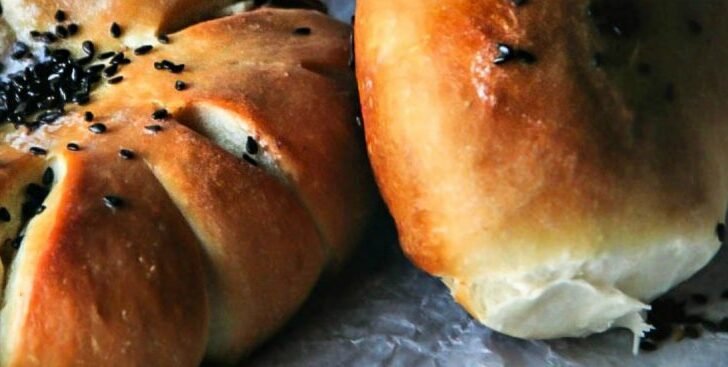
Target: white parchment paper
{"x": 384, "y": 312}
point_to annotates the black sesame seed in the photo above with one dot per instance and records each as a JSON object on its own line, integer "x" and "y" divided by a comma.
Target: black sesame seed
{"x": 648, "y": 346}
{"x": 48, "y": 37}
{"x": 251, "y": 146}
{"x": 48, "y": 176}
{"x": 38, "y": 151}
{"x": 116, "y": 79}
{"x": 81, "y": 99}
{"x": 61, "y": 31}
{"x": 97, "y": 128}
{"x": 16, "y": 242}
{"x": 126, "y": 154}
{"x": 143, "y": 50}
{"x": 302, "y": 31}
{"x": 508, "y": 53}
{"x": 160, "y": 114}
{"x": 118, "y": 58}
{"x": 113, "y": 202}
{"x": 115, "y": 30}
{"x": 250, "y": 159}
{"x": 352, "y": 57}
{"x": 60, "y": 16}
{"x": 4, "y": 215}
{"x": 111, "y": 70}
{"x": 88, "y": 47}
{"x": 720, "y": 232}
{"x": 178, "y": 68}
{"x": 163, "y": 39}
{"x": 19, "y": 51}
{"x": 180, "y": 85}
{"x": 73, "y": 147}
{"x": 72, "y": 29}
{"x": 153, "y": 128}
{"x": 106, "y": 55}
{"x": 88, "y": 116}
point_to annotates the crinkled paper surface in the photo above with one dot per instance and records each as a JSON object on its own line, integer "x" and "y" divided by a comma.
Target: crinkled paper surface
{"x": 384, "y": 312}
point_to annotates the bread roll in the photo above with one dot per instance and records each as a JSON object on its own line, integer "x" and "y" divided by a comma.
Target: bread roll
{"x": 187, "y": 209}
{"x": 558, "y": 163}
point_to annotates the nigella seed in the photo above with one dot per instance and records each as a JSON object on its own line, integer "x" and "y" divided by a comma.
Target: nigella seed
{"x": 116, "y": 79}
{"x": 72, "y": 29}
{"x": 251, "y": 146}
{"x": 4, "y": 215}
{"x": 160, "y": 114}
{"x": 180, "y": 85}
{"x": 88, "y": 116}
{"x": 126, "y": 154}
{"x": 73, "y": 147}
{"x": 38, "y": 151}
{"x": 106, "y": 55}
{"x": 48, "y": 177}
{"x": 115, "y": 30}
{"x": 153, "y": 128}
{"x": 88, "y": 47}
{"x": 143, "y": 50}
{"x": 163, "y": 39}
{"x": 60, "y": 16}
{"x": 302, "y": 31}
{"x": 113, "y": 202}
{"x": 97, "y": 128}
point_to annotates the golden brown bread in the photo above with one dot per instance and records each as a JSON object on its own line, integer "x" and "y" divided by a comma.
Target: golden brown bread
{"x": 557, "y": 163}
{"x": 180, "y": 248}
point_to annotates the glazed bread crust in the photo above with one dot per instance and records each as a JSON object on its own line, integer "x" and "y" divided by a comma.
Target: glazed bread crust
{"x": 229, "y": 210}
{"x": 559, "y": 189}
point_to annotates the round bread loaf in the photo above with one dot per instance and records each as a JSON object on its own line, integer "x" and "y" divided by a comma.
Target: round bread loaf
{"x": 180, "y": 201}
{"x": 557, "y": 163}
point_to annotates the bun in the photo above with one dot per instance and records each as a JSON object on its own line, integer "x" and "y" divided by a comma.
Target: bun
{"x": 190, "y": 213}
{"x": 558, "y": 164}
